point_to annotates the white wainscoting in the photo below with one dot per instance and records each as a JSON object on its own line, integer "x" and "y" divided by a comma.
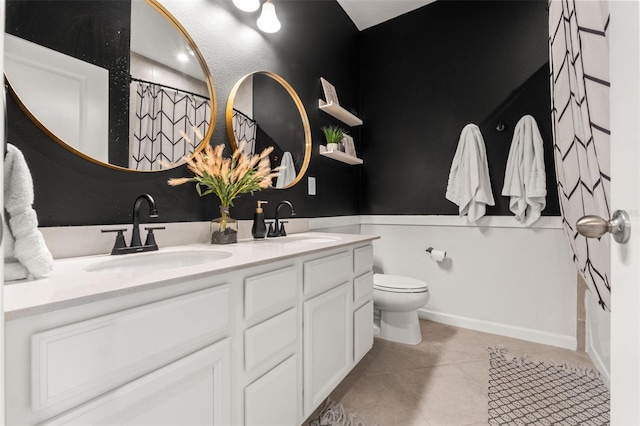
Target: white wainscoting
{"x": 336, "y": 224}
{"x": 498, "y": 277}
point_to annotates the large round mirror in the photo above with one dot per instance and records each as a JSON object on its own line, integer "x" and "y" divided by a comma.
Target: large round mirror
{"x": 118, "y": 82}
{"x": 263, "y": 110}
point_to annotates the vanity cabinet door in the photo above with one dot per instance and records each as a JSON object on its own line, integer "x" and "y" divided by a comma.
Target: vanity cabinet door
{"x": 191, "y": 391}
{"x": 362, "y": 330}
{"x": 79, "y": 361}
{"x": 363, "y": 289}
{"x": 362, "y": 315}
{"x": 363, "y": 259}
{"x": 273, "y": 399}
{"x": 328, "y": 343}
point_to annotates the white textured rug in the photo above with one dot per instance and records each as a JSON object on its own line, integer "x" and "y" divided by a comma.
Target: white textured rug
{"x": 334, "y": 414}
{"x": 523, "y": 392}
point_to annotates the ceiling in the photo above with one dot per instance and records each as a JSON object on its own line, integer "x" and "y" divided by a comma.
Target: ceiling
{"x": 367, "y": 13}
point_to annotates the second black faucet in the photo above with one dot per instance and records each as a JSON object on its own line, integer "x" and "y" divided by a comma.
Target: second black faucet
{"x": 278, "y": 228}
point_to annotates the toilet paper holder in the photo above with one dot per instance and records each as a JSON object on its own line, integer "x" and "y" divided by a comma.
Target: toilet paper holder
{"x": 437, "y": 255}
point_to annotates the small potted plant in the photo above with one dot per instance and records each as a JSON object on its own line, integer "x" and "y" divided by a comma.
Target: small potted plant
{"x": 333, "y": 135}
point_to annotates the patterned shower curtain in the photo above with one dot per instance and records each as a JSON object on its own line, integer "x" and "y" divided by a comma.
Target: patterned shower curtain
{"x": 244, "y": 128}
{"x": 167, "y": 125}
{"x": 579, "y": 62}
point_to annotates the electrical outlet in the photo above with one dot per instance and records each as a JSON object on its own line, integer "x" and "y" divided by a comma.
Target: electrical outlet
{"x": 312, "y": 186}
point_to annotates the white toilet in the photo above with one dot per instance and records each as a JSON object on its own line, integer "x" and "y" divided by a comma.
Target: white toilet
{"x": 398, "y": 299}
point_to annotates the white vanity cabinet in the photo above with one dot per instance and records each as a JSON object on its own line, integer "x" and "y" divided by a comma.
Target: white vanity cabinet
{"x": 258, "y": 345}
{"x": 270, "y": 377}
{"x": 327, "y": 325}
{"x": 362, "y": 301}
{"x": 152, "y": 358}
{"x": 338, "y": 313}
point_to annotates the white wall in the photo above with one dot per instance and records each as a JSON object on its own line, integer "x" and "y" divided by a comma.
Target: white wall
{"x": 498, "y": 277}
{"x": 338, "y": 224}
{"x": 598, "y": 343}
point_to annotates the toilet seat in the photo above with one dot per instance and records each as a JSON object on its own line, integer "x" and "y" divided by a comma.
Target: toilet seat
{"x": 398, "y": 284}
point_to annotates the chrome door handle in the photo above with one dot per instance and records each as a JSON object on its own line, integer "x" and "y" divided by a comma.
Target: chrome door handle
{"x": 592, "y": 226}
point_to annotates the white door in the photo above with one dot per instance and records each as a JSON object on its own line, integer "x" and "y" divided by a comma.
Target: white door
{"x": 2, "y": 136}
{"x": 79, "y": 114}
{"x": 625, "y": 195}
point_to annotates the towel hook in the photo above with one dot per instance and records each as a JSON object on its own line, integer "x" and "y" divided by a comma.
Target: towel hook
{"x": 500, "y": 126}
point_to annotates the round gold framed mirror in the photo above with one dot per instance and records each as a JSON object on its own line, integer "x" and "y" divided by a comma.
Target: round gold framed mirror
{"x": 264, "y": 110}
{"x": 119, "y": 83}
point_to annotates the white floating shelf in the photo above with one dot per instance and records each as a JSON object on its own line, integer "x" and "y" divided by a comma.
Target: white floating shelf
{"x": 340, "y": 156}
{"x": 340, "y": 113}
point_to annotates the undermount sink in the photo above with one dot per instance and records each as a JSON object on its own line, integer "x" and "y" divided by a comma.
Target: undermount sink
{"x": 148, "y": 262}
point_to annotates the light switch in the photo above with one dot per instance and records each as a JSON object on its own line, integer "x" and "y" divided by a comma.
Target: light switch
{"x": 312, "y": 185}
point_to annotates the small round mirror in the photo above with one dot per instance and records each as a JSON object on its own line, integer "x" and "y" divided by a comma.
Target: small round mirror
{"x": 263, "y": 110}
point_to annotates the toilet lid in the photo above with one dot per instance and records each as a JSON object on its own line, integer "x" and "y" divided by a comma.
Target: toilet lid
{"x": 399, "y": 284}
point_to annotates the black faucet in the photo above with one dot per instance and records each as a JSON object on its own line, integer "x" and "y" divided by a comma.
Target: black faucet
{"x": 136, "y": 246}
{"x": 278, "y": 229}
{"x": 153, "y": 212}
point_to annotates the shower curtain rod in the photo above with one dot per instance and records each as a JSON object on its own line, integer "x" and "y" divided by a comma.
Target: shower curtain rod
{"x": 245, "y": 116}
{"x": 132, "y": 78}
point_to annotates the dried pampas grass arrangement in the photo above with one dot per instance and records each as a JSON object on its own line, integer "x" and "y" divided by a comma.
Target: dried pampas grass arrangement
{"x": 228, "y": 177}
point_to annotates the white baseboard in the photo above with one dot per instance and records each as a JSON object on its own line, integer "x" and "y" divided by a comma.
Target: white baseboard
{"x": 597, "y": 361}
{"x": 537, "y": 336}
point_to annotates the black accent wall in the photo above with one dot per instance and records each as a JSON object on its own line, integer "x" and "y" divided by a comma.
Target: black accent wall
{"x": 427, "y": 74}
{"x": 317, "y": 39}
{"x": 415, "y": 80}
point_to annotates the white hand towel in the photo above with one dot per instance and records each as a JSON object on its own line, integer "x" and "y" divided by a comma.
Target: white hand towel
{"x": 287, "y": 172}
{"x": 469, "y": 185}
{"x": 25, "y": 252}
{"x": 525, "y": 180}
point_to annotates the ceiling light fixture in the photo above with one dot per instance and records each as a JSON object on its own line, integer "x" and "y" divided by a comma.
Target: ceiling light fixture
{"x": 268, "y": 21}
{"x": 247, "y": 5}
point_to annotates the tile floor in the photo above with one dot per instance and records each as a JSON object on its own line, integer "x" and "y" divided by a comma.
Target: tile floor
{"x": 442, "y": 381}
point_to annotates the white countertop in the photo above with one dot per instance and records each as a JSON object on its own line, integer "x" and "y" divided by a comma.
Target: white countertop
{"x": 69, "y": 284}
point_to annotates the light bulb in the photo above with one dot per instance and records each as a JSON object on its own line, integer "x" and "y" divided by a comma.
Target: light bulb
{"x": 247, "y": 5}
{"x": 268, "y": 21}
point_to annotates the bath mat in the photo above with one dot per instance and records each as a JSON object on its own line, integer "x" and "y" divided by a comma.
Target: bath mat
{"x": 523, "y": 392}
{"x": 334, "y": 414}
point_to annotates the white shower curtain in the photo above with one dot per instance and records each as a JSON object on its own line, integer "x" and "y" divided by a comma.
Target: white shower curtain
{"x": 167, "y": 125}
{"x": 579, "y": 62}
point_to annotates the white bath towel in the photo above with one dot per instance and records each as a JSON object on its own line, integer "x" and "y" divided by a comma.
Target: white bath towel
{"x": 469, "y": 186}
{"x": 287, "y": 172}
{"x": 525, "y": 180}
{"x": 25, "y": 252}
